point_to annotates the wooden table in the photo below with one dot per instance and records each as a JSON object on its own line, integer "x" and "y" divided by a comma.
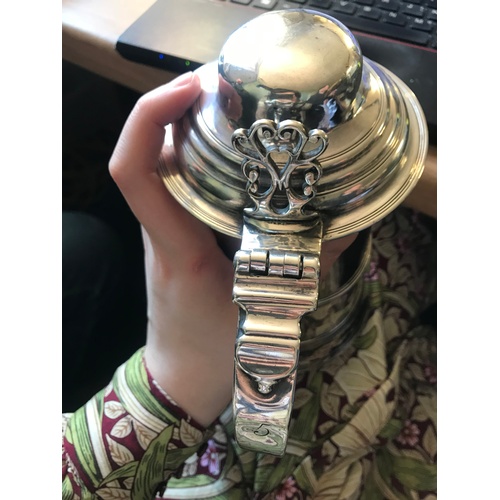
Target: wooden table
{"x": 90, "y": 29}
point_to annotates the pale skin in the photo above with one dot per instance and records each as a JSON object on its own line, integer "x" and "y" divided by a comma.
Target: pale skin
{"x": 191, "y": 317}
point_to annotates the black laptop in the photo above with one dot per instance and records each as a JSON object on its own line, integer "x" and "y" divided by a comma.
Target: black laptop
{"x": 181, "y": 35}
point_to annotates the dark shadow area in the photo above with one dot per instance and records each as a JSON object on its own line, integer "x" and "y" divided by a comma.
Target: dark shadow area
{"x": 103, "y": 289}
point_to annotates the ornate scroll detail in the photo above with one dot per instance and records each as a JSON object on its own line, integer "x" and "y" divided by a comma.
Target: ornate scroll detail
{"x": 280, "y": 163}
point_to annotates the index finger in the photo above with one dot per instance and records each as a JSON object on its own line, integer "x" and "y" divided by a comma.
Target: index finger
{"x": 134, "y": 162}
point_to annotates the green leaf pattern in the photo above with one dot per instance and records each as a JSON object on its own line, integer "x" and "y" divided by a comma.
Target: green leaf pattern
{"x": 363, "y": 425}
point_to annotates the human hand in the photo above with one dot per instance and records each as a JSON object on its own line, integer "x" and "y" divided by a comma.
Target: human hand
{"x": 191, "y": 318}
{"x": 192, "y": 321}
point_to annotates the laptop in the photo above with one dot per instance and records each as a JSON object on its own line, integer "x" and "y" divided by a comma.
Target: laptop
{"x": 182, "y": 35}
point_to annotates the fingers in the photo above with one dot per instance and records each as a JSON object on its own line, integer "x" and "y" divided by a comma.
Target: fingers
{"x": 137, "y": 150}
{"x": 134, "y": 163}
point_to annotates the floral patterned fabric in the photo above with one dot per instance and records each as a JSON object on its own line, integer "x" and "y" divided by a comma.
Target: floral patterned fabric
{"x": 363, "y": 423}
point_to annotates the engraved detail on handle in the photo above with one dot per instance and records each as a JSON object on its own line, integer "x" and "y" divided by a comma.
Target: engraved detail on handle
{"x": 274, "y": 289}
{"x": 276, "y": 275}
{"x": 281, "y": 166}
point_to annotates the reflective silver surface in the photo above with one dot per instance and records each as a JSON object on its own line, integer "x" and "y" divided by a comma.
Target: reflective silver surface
{"x": 342, "y": 306}
{"x": 291, "y": 66}
{"x": 295, "y": 139}
{"x": 275, "y": 284}
{"x": 377, "y": 135}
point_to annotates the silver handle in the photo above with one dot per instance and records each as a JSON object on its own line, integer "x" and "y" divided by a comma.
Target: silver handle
{"x": 276, "y": 276}
{"x": 275, "y": 284}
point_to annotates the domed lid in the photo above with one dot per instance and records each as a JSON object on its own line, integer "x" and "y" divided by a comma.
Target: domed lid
{"x": 306, "y": 67}
{"x": 295, "y": 139}
{"x": 293, "y": 120}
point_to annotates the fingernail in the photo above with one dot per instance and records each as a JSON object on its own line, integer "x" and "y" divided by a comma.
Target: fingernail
{"x": 184, "y": 79}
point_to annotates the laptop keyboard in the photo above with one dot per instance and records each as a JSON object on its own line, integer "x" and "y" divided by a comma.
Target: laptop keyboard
{"x": 400, "y": 35}
{"x": 413, "y": 22}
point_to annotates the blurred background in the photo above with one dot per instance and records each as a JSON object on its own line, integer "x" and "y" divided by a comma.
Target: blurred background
{"x": 104, "y": 307}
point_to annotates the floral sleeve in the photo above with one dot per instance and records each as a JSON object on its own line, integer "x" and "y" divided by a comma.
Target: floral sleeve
{"x": 127, "y": 440}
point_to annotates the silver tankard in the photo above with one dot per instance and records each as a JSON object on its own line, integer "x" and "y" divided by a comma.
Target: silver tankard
{"x": 295, "y": 139}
